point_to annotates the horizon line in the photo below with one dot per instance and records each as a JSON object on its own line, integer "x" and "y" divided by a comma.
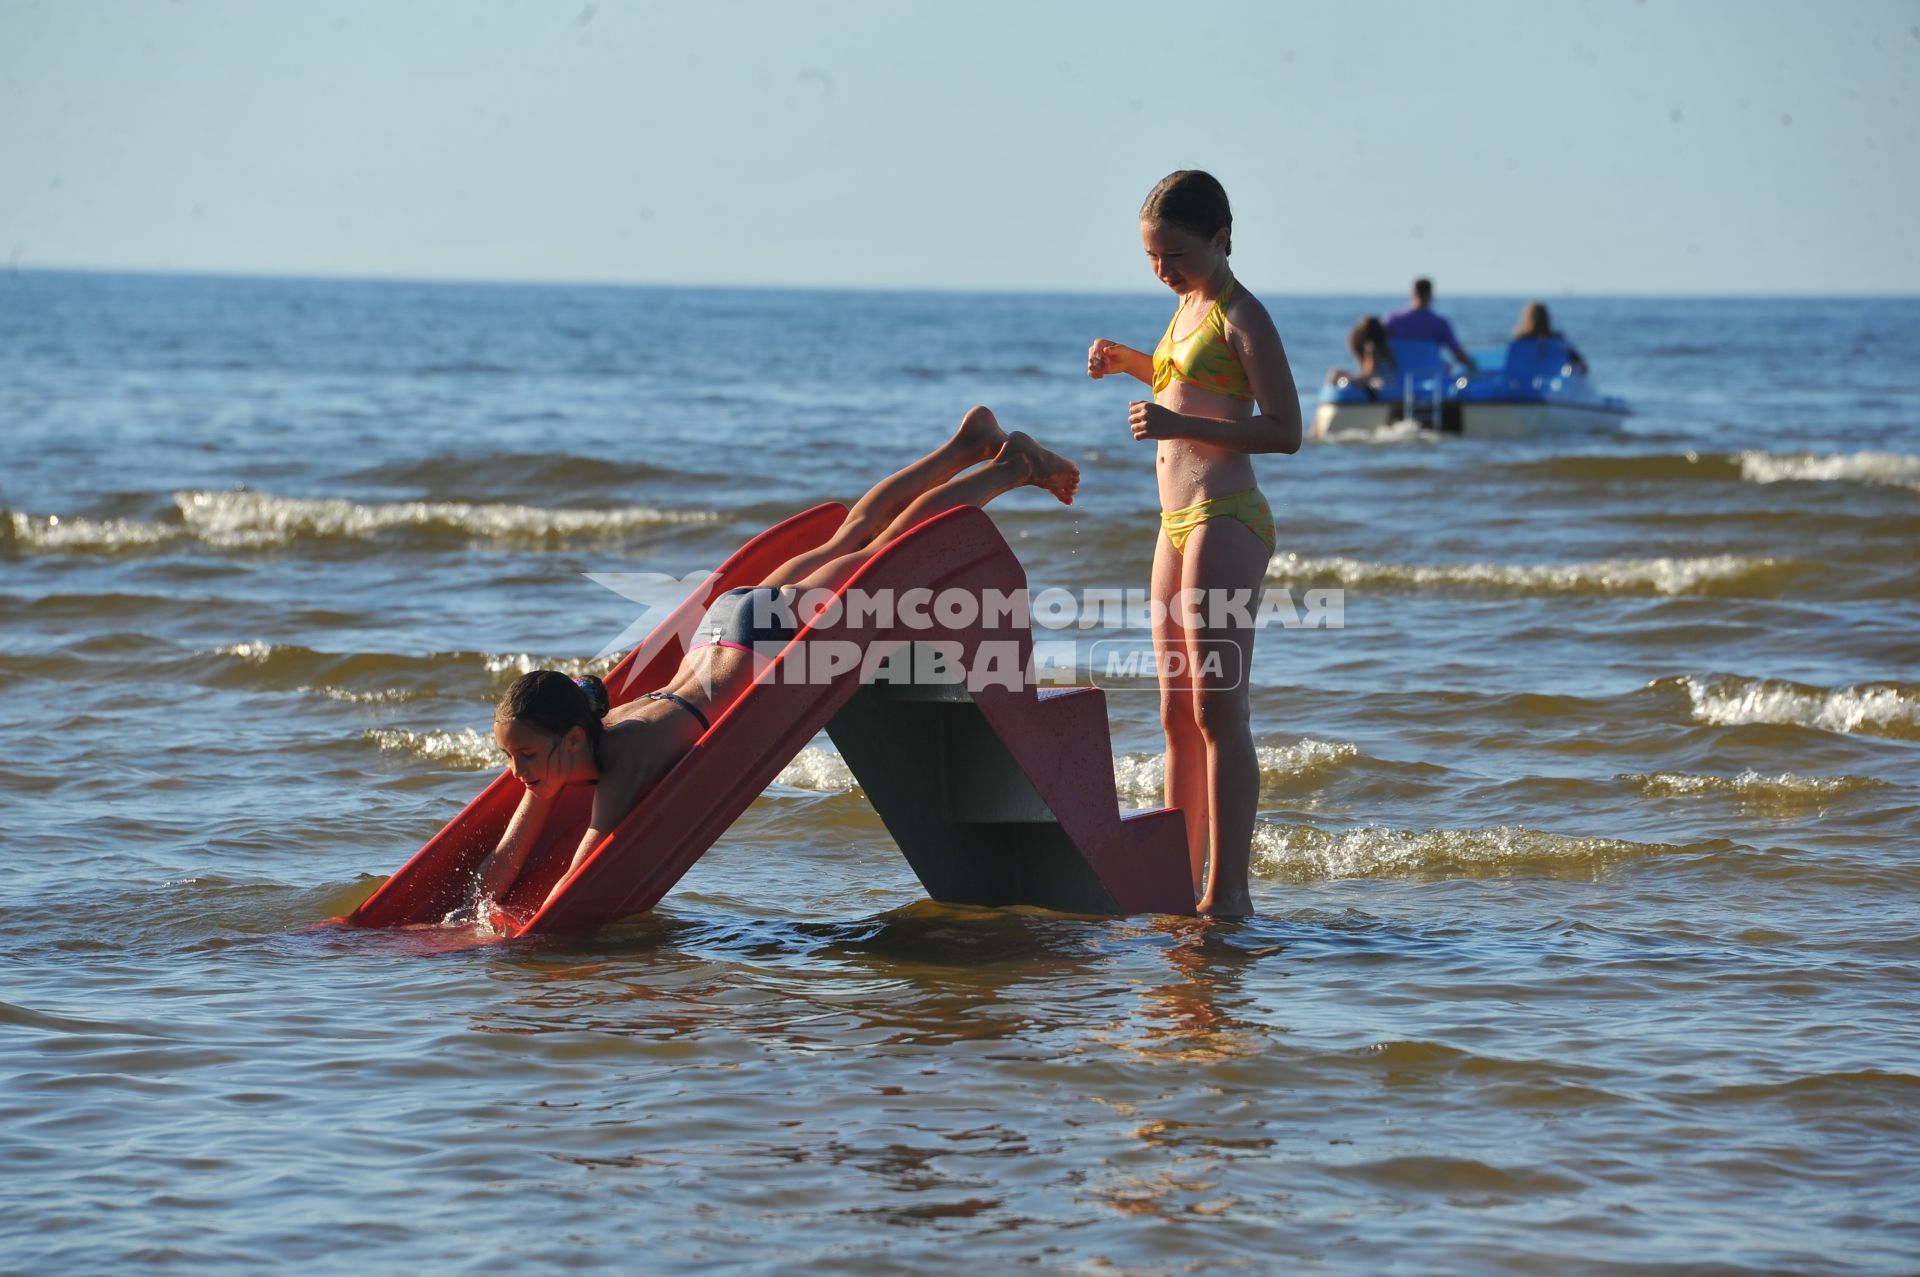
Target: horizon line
{"x": 482, "y": 281}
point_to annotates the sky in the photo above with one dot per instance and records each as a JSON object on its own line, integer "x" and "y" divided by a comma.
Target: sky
{"x": 1677, "y": 147}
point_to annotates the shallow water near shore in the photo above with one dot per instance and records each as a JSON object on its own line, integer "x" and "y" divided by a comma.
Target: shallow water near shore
{"x": 1586, "y": 861}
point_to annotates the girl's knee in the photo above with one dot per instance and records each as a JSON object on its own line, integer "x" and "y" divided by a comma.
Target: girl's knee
{"x": 854, "y": 532}
{"x": 1179, "y": 716}
{"x": 1220, "y": 715}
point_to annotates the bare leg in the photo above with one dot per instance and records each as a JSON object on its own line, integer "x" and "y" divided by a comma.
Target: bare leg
{"x": 711, "y": 678}
{"x": 1224, "y": 556}
{"x": 708, "y": 674}
{"x": 1020, "y": 463}
{"x": 1186, "y": 756}
{"x": 978, "y": 438}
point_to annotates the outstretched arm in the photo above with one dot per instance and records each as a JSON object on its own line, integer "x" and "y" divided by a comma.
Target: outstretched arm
{"x": 503, "y": 864}
{"x": 1458, "y": 351}
{"x": 588, "y": 841}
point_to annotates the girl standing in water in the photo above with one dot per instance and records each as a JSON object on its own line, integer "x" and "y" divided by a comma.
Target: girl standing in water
{"x": 1222, "y": 391}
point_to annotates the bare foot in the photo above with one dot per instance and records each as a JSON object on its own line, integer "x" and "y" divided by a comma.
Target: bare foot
{"x": 980, "y": 437}
{"x": 1045, "y": 469}
{"x": 1225, "y": 908}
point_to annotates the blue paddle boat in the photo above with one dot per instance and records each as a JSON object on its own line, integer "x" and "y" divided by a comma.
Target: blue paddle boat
{"x": 1535, "y": 386}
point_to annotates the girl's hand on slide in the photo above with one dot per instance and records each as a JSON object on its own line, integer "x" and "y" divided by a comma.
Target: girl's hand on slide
{"x": 1097, "y": 365}
{"x": 1150, "y": 421}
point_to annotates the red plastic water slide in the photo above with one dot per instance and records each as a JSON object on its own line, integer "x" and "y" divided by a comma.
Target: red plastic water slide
{"x": 997, "y": 792}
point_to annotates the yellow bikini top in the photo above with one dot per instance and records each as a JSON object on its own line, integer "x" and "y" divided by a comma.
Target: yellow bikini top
{"x": 1202, "y": 358}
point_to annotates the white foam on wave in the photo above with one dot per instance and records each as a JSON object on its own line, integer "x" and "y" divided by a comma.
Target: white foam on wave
{"x": 1666, "y": 576}
{"x": 1888, "y": 469}
{"x": 1727, "y": 700}
{"x": 384, "y": 696}
{"x": 517, "y": 663}
{"x": 244, "y": 519}
{"x": 1750, "y": 786}
{"x": 54, "y": 532}
{"x": 1302, "y": 851}
{"x": 820, "y": 770}
{"x": 465, "y": 748}
{"x": 1142, "y": 777}
{"x": 257, "y": 652}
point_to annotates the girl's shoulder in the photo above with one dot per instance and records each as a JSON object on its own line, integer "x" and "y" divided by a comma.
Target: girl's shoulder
{"x": 1245, "y": 312}
{"x": 622, "y": 754}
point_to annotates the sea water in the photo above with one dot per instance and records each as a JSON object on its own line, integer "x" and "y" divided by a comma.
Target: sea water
{"x": 1586, "y": 858}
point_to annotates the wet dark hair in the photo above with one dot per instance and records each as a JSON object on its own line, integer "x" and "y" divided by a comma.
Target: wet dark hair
{"x": 1192, "y": 200}
{"x": 1423, "y": 289}
{"x": 1371, "y": 332}
{"x": 556, "y": 704}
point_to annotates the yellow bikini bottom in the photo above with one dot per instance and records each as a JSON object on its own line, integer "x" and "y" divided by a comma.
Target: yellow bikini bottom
{"x": 1249, "y": 507}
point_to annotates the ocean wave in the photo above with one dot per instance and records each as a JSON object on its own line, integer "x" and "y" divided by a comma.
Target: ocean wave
{"x": 241, "y": 519}
{"x": 1872, "y": 709}
{"x": 518, "y": 663}
{"x": 820, "y": 770}
{"x": 295, "y": 660}
{"x": 1142, "y": 777}
{"x": 366, "y": 677}
{"x": 1719, "y": 574}
{"x": 1753, "y": 465}
{"x": 1640, "y": 467}
{"x": 381, "y": 696}
{"x": 52, "y": 532}
{"x": 1302, "y": 851}
{"x": 466, "y": 749}
{"x": 493, "y": 472}
{"x": 381, "y": 677}
{"x": 1886, "y": 469}
{"x": 1786, "y": 790}
{"x": 244, "y": 519}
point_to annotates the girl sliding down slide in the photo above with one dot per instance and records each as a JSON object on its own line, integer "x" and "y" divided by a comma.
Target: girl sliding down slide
{"x": 557, "y": 731}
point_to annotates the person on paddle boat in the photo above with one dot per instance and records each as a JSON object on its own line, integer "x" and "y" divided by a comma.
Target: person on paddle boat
{"x": 1419, "y": 321}
{"x": 557, "y": 731}
{"x": 1372, "y": 354}
{"x": 1222, "y": 391}
{"x": 1536, "y": 324}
